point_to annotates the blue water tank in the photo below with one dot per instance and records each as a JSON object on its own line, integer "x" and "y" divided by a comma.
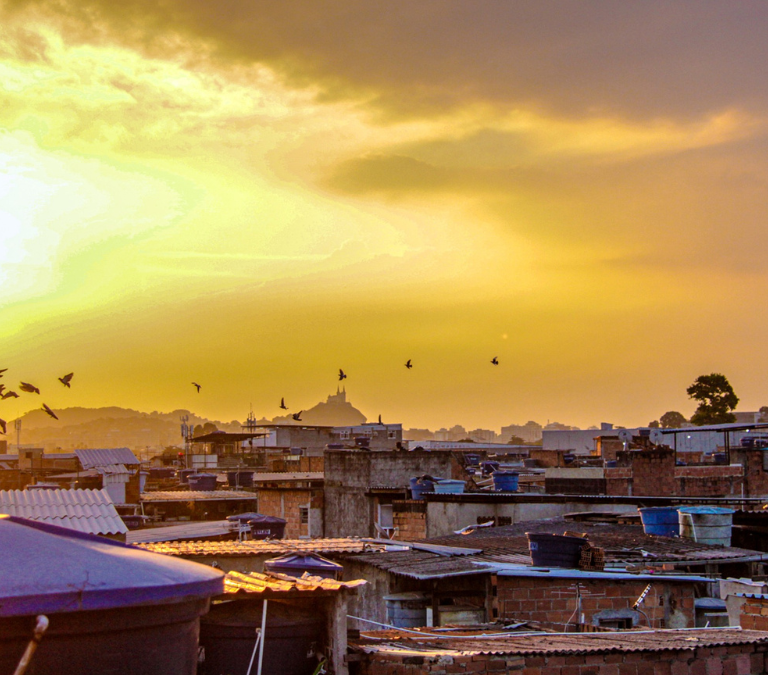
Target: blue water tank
{"x": 505, "y": 481}
{"x": 112, "y": 608}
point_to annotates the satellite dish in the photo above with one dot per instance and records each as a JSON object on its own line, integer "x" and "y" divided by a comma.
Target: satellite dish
{"x": 657, "y": 437}
{"x": 625, "y": 435}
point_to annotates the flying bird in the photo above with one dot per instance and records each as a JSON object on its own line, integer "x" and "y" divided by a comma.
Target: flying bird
{"x": 49, "y": 411}
{"x": 2, "y": 387}
{"x": 297, "y": 416}
{"x": 2, "y": 426}
{"x": 2, "y": 370}
{"x": 29, "y": 388}
{"x": 495, "y": 360}
{"x": 408, "y": 364}
{"x": 66, "y": 379}
{"x": 10, "y": 394}
{"x": 342, "y": 374}
{"x": 282, "y": 404}
{"x": 197, "y": 386}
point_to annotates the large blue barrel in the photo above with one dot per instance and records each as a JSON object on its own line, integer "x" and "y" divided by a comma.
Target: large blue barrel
{"x": 505, "y": 481}
{"x": 205, "y": 482}
{"x": 660, "y": 520}
{"x": 555, "y": 550}
{"x": 419, "y": 486}
{"x": 449, "y": 486}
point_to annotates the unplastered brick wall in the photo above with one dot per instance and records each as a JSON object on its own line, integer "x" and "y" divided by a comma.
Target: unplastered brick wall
{"x": 708, "y": 481}
{"x": 745, "y": 659}
{"x": 553, "y": 602}
{"x": 754, "y": 613}
{"x": 410, "y": 519}
{"x": 286, "y": 504}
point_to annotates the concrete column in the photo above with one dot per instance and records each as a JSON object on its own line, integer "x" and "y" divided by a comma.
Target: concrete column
{"x": 337, "y": 633}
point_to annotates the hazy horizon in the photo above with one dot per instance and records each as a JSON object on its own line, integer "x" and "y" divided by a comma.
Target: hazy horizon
{"x": 253, "y": 195}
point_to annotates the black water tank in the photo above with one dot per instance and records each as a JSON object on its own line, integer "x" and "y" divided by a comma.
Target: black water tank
{"x": 240, "y": 478}
{"x": 267, "y": 527}
{"x": 296, "y": 564}
{"x": 113, "y": 609}
{"x": 228, "y": 635}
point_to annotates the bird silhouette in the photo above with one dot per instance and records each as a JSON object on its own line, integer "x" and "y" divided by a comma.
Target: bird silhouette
{"x": 197, "y": 386}
{"x": 66, "y": 379}
{"x": 49, "y": 411}
{"x": 408, "y": 364}
{"x": 2, "y": 387}
{"x": 495, "y": 360}
{"x": 10, "y": 394}
{"x": 282, "y": 404}
{"x": 342, "y": 374}
{"x": 297, "y": 416}
{"x": 2, "y": 370}
{"x": 2, "y": 426}
{"x": 380, "y": 422}
{"x": 29, "y": 388}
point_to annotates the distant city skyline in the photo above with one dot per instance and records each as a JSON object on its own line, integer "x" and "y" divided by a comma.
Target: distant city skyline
{"x": 255, "y": 197}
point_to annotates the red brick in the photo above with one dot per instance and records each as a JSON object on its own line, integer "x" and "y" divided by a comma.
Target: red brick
{"x": 743, "y": 664}
{"x": 714, "y": 666}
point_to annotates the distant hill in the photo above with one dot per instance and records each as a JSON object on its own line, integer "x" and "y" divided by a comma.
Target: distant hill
{"x": 335, "y": 411}
{"x": 108, "y": 428}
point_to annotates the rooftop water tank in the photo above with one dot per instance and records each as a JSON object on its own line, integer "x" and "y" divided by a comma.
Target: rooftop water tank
{"x": 240, "y": 478}
{"x": 296, "y": 564}
{"x": 206, "y": 482}
{"x": 267, "y": 527}
{"x": 112, "y": 608}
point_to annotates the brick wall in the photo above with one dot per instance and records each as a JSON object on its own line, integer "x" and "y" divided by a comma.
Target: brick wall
{"x": 547, "y": 458}
{"x": 653, "y": 473}
{"x": 286, "y": 504}
{"x": 756, "y": 478}
{"x": 552, "y": 602}
{"x": 575, "y": 486}
{"x": 744, "y": 659}
{"x": 410, "y": 517}
{"x": 753, "y": 612}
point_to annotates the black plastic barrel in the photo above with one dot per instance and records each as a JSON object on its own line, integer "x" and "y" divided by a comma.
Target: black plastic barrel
{"x": 296, "y": 564}
{"x": 267, "y": 527}
{"x": 240, "y": 478}
{"x": 205, "y": 482}
{"x": 555, "y": 550}
{"x": 228, "y": 635}
{"x": 184, "y": 474}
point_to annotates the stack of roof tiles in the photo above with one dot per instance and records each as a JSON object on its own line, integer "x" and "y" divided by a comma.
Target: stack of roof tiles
{"x": 255, "y": 582}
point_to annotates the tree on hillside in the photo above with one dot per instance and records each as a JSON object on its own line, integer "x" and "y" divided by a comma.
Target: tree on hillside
{"x": 672, "y": 420}
{"x": 654, "y": 424}
{"x": 716, "y": 400}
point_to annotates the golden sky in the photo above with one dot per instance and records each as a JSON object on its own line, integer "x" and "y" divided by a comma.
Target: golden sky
{"x": 253, "y": 194}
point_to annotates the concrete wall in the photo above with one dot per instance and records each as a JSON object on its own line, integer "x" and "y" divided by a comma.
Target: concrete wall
{"x": 446, "y": 517}
{"x": 349, "y": 474}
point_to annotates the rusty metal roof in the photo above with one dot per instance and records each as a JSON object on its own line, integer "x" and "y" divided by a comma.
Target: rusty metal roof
{"x": 196, "y": 496}
{"x": 622, "y": 543}
{"x": 90, "y": 511}
{"x": 258, "y": 583}
{"x": 420, "y": 564}
{"x": 266, "y": 547}
{"x": 559, "y": 643}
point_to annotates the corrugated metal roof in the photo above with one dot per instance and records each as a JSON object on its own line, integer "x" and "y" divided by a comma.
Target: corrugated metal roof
{"x": 253, "y": 548}
{"x": 196, "y": 496}
{"x": 622, "y": 543}
{"x": 92, "y": 457}
{"x": 421, "y": 564}
{"x": 563, "y": 643}
{"x": 208, "y": 528}
{"x": 89, "y": 511}
{"x": 235, "y": 582}
{"x": 276, "y": 477}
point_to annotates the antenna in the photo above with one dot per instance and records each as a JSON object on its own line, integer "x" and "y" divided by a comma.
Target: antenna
{"x": 656, "y": 436}
{"x": 17, "y": 426}
{"x": 625, "y": 436}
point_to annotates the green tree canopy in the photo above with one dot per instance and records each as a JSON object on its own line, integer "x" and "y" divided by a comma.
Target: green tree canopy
{"x": 672, "y": 420}
{"x": 654, "y": 425}
{"x": 716, "y": 399}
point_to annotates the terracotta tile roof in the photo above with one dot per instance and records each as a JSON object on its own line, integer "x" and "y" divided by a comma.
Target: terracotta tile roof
{"x": 560, "y": 643}
{"x": 254, "y": 548}
{"x": 255, "y": 582}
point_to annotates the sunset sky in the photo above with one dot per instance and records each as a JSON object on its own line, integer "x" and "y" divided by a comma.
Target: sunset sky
{"x": 252, "y": 195}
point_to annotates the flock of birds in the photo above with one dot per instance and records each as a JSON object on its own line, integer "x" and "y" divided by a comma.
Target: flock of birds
{"x": 342, "y": 376}
{"x": 66, "y": 379}
{"x": 29, "y": 389}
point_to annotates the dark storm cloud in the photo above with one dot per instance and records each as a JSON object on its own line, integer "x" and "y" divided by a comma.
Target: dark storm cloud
{"x": 638, "y": 59}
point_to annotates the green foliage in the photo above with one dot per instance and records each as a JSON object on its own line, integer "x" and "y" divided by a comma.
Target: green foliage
{"x": 716, "y": 400}
{"x": 672, "y": 420}
{"x": 654, "y": 425}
